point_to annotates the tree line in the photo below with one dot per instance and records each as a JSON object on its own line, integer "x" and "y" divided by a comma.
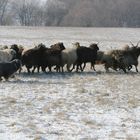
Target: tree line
{"x": 85, "y": 13}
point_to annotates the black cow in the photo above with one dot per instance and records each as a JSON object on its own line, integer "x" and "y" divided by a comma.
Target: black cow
{"x": 7, "y": 69}
{"x": 33, "y": 57}
{"x": 85, "y": 55}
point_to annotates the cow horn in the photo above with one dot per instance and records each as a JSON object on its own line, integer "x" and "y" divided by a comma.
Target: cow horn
{"x": 132, "y": 44}
{"x": 35, "y": 45}
{"x": 97, "y": 43}
{"x": 138, "y": 43}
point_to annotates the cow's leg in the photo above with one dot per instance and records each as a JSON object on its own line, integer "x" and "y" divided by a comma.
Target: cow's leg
{"x": 50, "y": 69}
{"x": 33, "y": 69}
{"x": 6, "y": 77}
{"x": 82, "y": 68}
{"x": 20, "y": 69}
{"x": 136, "y": 69}
{"x": 58, "y": 69}
{"x": 93, "y": 66}
{"x": 68, "y": 67}
{"x": 43, "y": 69}
{"x": 73, "y": 67}
{"x": 106, "y": 68}
{"x": 123, "y": 68}
{"x": 38, "y": 69}
{"x": 28, "y": 69}
{"x": 129, "y": 67}
{"x": 0, "y": 79}
{"x": 77, "y": 67}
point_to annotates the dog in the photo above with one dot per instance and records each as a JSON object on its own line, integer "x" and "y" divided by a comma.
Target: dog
{"x": 8, "y": 69}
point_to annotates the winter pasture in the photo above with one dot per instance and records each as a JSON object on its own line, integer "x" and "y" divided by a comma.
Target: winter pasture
{"x": 70, "y": 106}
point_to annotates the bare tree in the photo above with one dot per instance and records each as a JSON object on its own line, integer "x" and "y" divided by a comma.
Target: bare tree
{"x": 3, "y": 8}
{"x": 55, "y": 11}
{"x": 28, "y": 12}
{"x": 95, "y": 13}
{"x": 88, "y": 13}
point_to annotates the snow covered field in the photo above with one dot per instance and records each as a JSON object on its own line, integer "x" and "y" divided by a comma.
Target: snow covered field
{"x": 70, "y": 106}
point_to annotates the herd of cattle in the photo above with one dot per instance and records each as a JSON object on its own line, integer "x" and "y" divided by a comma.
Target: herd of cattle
{"x": 13, "y": 58}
